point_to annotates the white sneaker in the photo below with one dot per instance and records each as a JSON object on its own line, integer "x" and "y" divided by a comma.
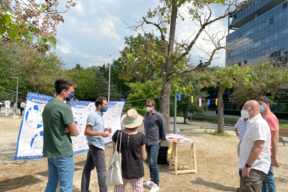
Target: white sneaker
{"x": 155, "y": 188}
{"x": 149, "y": 182}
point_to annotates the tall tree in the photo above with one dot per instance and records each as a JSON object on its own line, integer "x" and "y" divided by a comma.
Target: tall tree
{"x": 87, "y": 85}
{"x": 103, "y": 85}
{"x": 225, "y": 78}
{"x": 268, "y": 79}
{"x": 163, "y": 56}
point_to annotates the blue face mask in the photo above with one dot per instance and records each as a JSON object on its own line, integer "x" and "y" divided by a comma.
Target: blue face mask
{"x": 70, "y": 96}
{"x": 261, "y": 108}
{"x": 105, "y": 109}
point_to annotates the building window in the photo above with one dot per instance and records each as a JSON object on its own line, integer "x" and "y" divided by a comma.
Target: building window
{"x": 285, "y": 5}
{"x": 229, "y": 55}
{"x": 245, "y": 62}
{"x": 271, "y": 21}
{"x": 240, "y": 36}
{"x": 239, "y": 64}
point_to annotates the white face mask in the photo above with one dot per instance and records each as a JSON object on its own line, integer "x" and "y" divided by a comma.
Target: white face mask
{"x": 149, "y": 109}
{"x": 245, "y": 114}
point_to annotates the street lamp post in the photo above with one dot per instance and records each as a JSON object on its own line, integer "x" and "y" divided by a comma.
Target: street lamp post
{"x": 109, "y": 79}
{"x": 16, "y": 91}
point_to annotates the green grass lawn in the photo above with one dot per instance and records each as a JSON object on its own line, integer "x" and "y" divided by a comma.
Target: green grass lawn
{"x": 282, "y": 124}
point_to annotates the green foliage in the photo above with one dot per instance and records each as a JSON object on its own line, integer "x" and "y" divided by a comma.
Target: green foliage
{"x": 226, "y": 77}
{"x": 139, "y": 110}
{"x": 18, "y": 31}
{"x": 141, "y": 91}
{"x": 116, "y": 70}
{"x": 265, "y": 79}
{"x": 87, "y": 86}
{"x": 142, "y": 59}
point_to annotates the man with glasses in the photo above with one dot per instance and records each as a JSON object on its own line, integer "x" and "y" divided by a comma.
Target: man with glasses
{"x": 268, "y": 184}
{"x": 155, "y": 132}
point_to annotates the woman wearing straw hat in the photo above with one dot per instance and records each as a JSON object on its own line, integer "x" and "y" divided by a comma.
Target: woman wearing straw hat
{"x": 133, "y": 151}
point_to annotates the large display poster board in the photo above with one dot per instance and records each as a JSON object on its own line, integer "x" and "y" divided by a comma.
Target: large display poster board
{"x": 30, "y": 138}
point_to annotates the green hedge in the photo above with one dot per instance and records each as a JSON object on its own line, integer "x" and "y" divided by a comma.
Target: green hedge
{"x": 140, "y": 111}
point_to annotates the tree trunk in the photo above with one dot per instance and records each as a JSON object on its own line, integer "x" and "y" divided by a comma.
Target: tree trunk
{"x": 185, "y": 117}
{"x": 220, "y": 111}
{"x": 164, "y": 99}
{"x": 166, "y": 84}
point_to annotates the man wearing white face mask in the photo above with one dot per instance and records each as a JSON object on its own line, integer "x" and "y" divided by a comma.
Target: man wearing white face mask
{"x": 155, "y": 132}
{"x": 265, "y": 104}
{"x": 254, "y": 158}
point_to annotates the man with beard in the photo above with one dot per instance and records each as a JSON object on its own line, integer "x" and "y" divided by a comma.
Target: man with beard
{"x": 96, "y": 133}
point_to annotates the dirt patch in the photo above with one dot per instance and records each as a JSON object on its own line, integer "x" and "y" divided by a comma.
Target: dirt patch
{"x": 216, "y": 160}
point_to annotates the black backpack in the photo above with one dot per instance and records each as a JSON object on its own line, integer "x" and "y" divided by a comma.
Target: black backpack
{"x": 162, "y": 155}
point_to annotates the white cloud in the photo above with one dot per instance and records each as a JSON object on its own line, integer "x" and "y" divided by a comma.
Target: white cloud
{"x": 65, "y": 48}
{"x": 94, "y": 29}
{"x": 79, "y": 7}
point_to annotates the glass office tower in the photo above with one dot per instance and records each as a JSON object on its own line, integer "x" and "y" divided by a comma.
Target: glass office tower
{"x": 257, "y": 32}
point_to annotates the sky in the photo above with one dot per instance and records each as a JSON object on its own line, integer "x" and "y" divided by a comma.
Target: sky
{"x": 95, "y": 29}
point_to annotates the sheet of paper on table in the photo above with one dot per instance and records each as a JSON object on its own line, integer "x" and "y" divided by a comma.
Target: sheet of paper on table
{"x": 173, "y": 137}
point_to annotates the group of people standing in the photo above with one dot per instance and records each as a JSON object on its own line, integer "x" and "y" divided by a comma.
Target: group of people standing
{"x": 258, "y": 146}
{"x": 59, "y": 125}
{"x": 15, "y": 108}
{"x": 257, "y": 149}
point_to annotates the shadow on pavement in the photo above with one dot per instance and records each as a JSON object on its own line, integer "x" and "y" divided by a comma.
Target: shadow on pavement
{"x": 18, "y": 182}
{"x": 217, "y": 186}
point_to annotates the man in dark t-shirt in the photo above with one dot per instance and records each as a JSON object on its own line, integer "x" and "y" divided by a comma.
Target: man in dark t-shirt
{"x": 58, "y": 126}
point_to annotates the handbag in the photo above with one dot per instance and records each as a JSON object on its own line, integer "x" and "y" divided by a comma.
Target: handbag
{"x": 114, "y": 173}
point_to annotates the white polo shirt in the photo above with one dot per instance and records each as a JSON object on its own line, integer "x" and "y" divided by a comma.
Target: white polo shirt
{"x": 7, "y": 103}
{"x": 242, "y": 125}
{"x": 257, "y": 129}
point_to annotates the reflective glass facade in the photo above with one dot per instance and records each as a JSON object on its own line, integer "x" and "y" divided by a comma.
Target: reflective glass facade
{"x": 260, "y": 38}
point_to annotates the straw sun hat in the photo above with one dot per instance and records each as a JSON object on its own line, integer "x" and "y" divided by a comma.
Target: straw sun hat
{"x": 131, "y": 119}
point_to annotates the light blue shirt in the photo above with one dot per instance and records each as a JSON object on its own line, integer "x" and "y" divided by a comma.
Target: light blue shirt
{"x": 242, "y": 125}
{"x": 96, "y": 120}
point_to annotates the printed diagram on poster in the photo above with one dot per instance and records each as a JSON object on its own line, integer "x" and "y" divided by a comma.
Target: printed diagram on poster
{"x": 30, "y": 138}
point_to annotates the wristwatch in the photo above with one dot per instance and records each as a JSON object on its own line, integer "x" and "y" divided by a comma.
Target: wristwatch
{"x": 248, "y": 166}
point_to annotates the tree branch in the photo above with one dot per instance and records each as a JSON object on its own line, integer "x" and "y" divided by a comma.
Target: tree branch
{"x": 203, "y": 24}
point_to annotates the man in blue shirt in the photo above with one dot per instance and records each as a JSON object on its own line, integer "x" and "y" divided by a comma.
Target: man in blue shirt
{"x": 95, "y": 133}
{"x": 155, "y": 131}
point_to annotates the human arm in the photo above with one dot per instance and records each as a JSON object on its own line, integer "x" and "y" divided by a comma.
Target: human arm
{"x": 275, "y": 137}
{"x": 236, "y": 131}
{"x": 254, "y": 154}
{"x": 114, "y": 146}
{"x": 236, "y": 127}
{"x": 72, "y": 128}
{"x": 163, "y": 128}
{"x": 143, "y": 152}
{"x": 90, "y": 133}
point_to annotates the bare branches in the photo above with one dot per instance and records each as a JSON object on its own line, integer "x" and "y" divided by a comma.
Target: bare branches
{"x": 217, "y": 40}
{"x": 158, "y": 27}
{"x": 204, "y": 20}
{"x": 201, "y": 64}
